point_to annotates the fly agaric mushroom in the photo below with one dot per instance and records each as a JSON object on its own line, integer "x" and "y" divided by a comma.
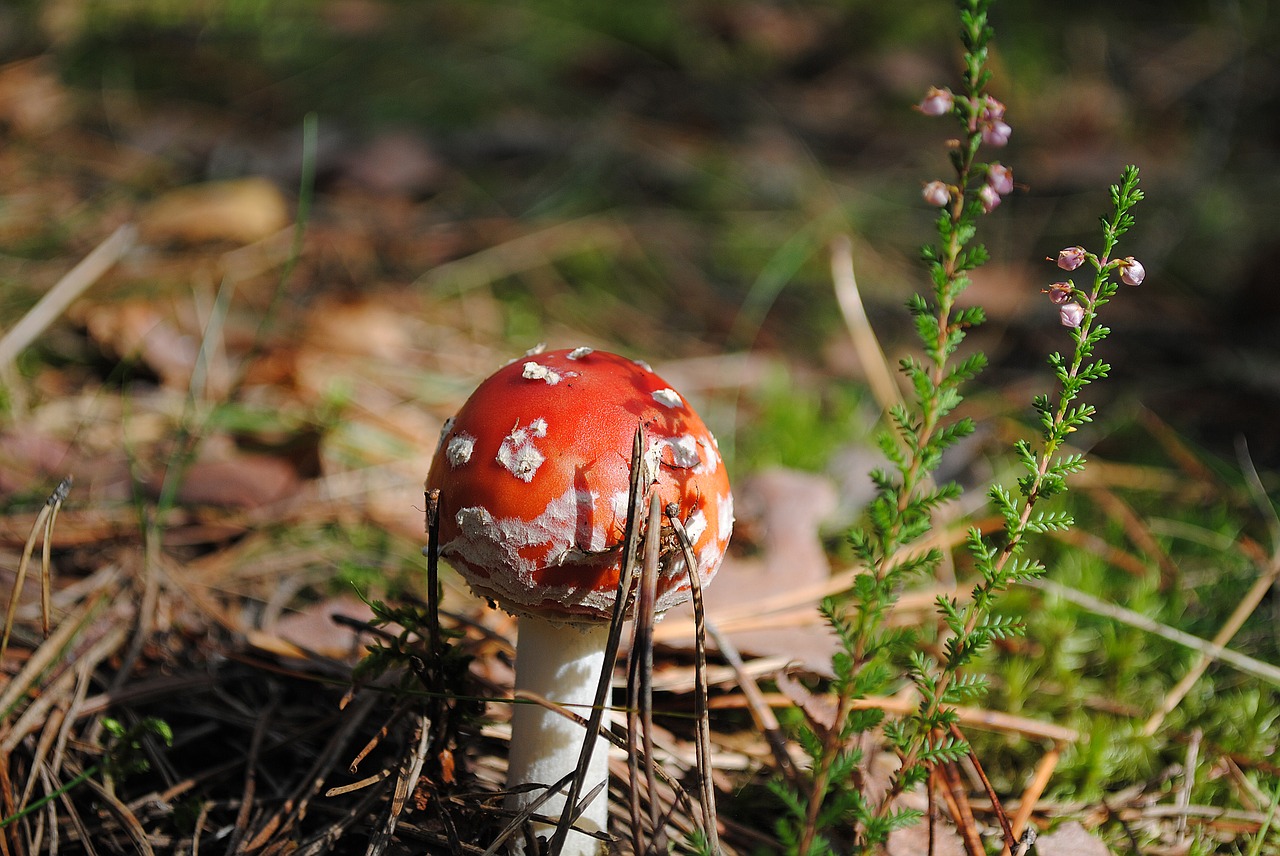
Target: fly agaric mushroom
{"x": 534, "y": 474}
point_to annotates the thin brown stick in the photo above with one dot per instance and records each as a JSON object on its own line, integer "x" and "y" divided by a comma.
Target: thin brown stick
{"x": 46, "y": 568}
{"x": 72, "y": 284}
{"x": 405, "y": 783}
{"x": 128, "y": 820}
{"x": 15, "y": 594}
{"x": 48, "y": 653}
{"x": 340, "y": 790}
{"x": 433, "y": 573}
{"x": 974, "y": 717}
{"x": 703, "y": 744}
{"x": 1039, "y": 781}
{"x": 946, "y": 779}
{"x": 986, "y": 785}
{"x": 880, "y": 377}
{"x": 249, "y": 789}
{"x": 640, "y": 682}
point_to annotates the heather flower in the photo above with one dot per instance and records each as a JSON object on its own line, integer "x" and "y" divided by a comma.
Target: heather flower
{"x": 1071, "y": 258}
{"x": 1060, "y": 292}
{"x": 1131, "y": 271}
{"x": 996, "y": 133}
{"x": 990, "y": 199}
{"x": 992, "y": 110}
{"x": 937, "y": 102}
{"x": 1071, "y": 314}
{"x": 936, "y": 193}
{"x": 1000, "y": 178}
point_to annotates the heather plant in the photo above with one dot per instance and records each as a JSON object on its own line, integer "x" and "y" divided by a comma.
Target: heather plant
{"x": 832, "y": 809}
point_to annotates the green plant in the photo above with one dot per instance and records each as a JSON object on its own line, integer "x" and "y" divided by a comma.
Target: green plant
{"x": 124, "y": 755}
{"x": 831, "y": 810}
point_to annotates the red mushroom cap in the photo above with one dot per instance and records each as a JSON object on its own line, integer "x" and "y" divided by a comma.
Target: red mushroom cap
{"x": 533, "y": 475}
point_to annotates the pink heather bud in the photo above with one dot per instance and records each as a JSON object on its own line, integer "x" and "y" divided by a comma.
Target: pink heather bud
{"x": 937, "y": 102}
{"x": 1131, "y": 271}
{"x": 996, "y": 133}
{"x": 1000, "y": 177}
{"x": 990, "y": 199}
{"x": 1059, "y": 293}
{"x": 937, "y": 194}
{"x": 1071, "y": 258}
{"x": 1071, "y": 314}
{"x": 992, "y": 110}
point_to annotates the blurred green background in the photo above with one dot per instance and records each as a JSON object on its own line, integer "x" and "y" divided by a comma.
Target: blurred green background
{"x": 732, "y": 140}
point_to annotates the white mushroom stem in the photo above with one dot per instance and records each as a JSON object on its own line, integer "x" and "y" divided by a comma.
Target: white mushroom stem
{"x": 562, "y": 664}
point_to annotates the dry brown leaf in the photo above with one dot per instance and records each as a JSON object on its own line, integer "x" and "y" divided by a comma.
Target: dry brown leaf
{"x": 313, "y": 628}
{"x": 137, "y": 328}
{"x": 238, "y": 481}
{"x": 33, "y": 460}
{"x": 26, "y": 456}
{"x": 32, "y": 98}
{"x": 360, "y": 326}
{"x": 242, "y": 211}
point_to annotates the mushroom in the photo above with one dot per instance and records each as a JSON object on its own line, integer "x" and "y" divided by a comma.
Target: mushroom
{"x": 533, "y": 477}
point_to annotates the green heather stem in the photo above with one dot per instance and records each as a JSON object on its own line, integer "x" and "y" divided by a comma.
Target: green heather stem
{"x": 996, "y": 577}
{"x": 832, "y": 802}
{"x": 933, "y": 409}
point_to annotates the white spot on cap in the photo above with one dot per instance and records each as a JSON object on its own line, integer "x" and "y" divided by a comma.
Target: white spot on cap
{"x": 668, "y": 397}
{"x": 725, "y": 515}
{"x": 684, "y": 451}
{"x": 696, "y": 525}
{"x": 642, "y": 364}
{"x": 535, "y": 371}
{"x": 619, "y": 505}
{"x": 579, "y": 353}
{"x": 710, "y": 455}
{"x": 517, "y": 452}
{"x": 460, "y": 449}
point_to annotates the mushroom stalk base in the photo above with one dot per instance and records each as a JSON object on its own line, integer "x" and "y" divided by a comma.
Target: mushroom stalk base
{"x": 561, "y": 664}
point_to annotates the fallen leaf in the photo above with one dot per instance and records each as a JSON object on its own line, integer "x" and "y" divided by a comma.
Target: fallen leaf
{"x": 27, "y": 456}
{"x": 312, "y": 627}
{"x": 241, "y": 211}
{"x": 136, "y": 328}
{"x": 33, "y": 100}
{"x": 238, "y": 481}
{"x": 360, "y": 326}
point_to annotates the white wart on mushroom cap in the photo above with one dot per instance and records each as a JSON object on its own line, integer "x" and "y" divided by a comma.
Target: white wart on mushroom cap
{"x": 533, "y": 478}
